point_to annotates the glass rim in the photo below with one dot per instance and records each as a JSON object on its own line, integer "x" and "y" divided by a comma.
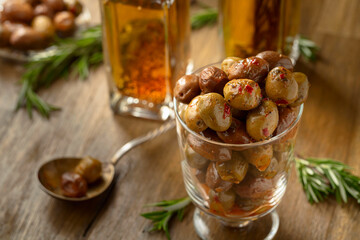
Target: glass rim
{"x": 249, "y": 145}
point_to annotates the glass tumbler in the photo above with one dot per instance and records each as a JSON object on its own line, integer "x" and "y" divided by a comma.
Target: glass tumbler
{"x": 146, "y": 48}
{"x": 235, "y": 187}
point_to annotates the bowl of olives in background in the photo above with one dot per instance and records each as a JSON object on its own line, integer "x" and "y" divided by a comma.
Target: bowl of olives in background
{"x": 29, "y": 26}
{"x": 236, "y": 124}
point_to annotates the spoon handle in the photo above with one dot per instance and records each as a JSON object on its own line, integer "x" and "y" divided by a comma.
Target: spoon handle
{"x": 137, "y": 141}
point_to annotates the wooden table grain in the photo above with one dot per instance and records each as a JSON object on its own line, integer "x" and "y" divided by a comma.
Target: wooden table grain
{"x": 330, "y": 127}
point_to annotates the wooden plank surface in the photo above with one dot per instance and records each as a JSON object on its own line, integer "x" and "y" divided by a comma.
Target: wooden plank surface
{"x": 86, "y": 126}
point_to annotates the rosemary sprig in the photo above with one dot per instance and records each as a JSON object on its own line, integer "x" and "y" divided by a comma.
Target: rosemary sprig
{"x": 322, "y": 177}
{"x": 160, "y": 219}
{"x": 206, "y": 17}
{"x": 308, "y": 49}
{"x": 74, "y": 55}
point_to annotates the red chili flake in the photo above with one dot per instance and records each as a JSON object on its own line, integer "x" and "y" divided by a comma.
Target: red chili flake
{"x": 254, "y": 61}
{"x": 244, "y": 63}
{"x": 227, "y": 111}
{"x": 240, "y": 89}
{"x": 266, "y": 99}
{"x": 281, "y": 101}
{"x": 249, "y": 88}
{"x": 282, "y": 76}
{"x": 265, "y": 132}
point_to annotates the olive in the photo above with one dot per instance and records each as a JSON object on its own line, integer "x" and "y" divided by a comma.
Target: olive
{"x": 12, "y": 26}
{"x": 73, "y": 185}
{"x": 238, "y": 114}
{"x": 212, "y": 79}
{"x": 186, "y": 88}
{"x": 27, "y": 38}
{"x": 236, "y": 134}
{"x": 260, "y": 157}
{"x": 262, "y": 121}
{"x": 55, "y": 5}
{"x": 4, "y": 36}
{"x": 222, "y": 201}
{"x": 303, "y": 88}
{"x": 253, "y": 68}
{"x": 276, "y": 59}
{"x": 287, "y": 116}
{"x": 281, "y": 86}
{"x": 18, "y": 11}
{"x": 233, "y": 171}
{"x": 64, "y": 23}
{"x": 194, "y": 159}
{"x": 242, "y": 94}
{"x": 73, "y": 6}
{"x": 44, "y": 25}
{"x": 270, "y": 172}
{"x": 89, "y": 168}
{"x": 228, "y": 62}
{"x": 43, "y": 9}
{"x": 192, "y": 116}
{"x": 254, "y": 187}
{"x": 200, "y": 174}
{"x": 208, "y": 150}
{"x": 214, "y": 181}
{"x": 215, "y": 112}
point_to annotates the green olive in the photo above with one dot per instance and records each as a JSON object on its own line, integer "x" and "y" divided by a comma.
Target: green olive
{"x": 281, "y": 86}
{"x": 44, "y": 25}
{"x": 233, "y": 171}
{"x": 215, "y": 112}
{"x": 270, "y": 172}
{"x": 303, "y": 88}
{"x": 242, "y": 94}
{"x": 194, "y": 159}
{"x": 262, "y": 121}
{"x": 222, "y": 201}
{"x": 89, "y": 168}
{"x": 192, "y": 116}
{"x": 228, "y": 62}
{"x": 236, "y": 134}
{"x": 214, "y": 181}
{"x": 260, "y": 157}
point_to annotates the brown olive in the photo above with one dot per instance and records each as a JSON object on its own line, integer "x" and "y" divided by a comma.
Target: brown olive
{"x": 55, "y": 5}
{"x": 64, "y": 22}
{"x": 242, "y": 94}
{"x": 212, "y": 79}
{"x": 12, "y": 26}
{"x": 221, "y": 201}
{"x": 260, "y": 157}
{"x": 192, "y": 116}
{"x": 253, "y": 68}
{"x": 270, "y": 171}
{"x": 194, "y": 159}
{"x": 262, "y": 121}
{"x": 18, "y": 11}
{"x": 200, "y": 174}
{"x": 44, "y": 25}
{"x": 73, "y": 6}
{"x": 281, "y": 87}
{"x": 233, "y": 171}
{"x": 236, "y": 134}
{"x": 73, "y": 185}
{"x": 254, "y": 187}
{"x": 215, "y": 112}
{"x": 4, "y": 36}
{"x": 27, "y": 38}
{"x": 186, "y": 88}
{"x": 287, "y": 116}
{"x": 32, "y": 2}
{"x": 214, "y": 181}
{"x": 208, "y": 150}
{"x": 276, "y": 59}
{"x": 303, "y": 88}
{"x": 228, "y": 62}
{"x": 43, "y": 9}
{"x": 89, "y": 168}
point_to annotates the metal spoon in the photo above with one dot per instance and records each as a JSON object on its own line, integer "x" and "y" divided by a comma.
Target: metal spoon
{"x": 49, "y": 173}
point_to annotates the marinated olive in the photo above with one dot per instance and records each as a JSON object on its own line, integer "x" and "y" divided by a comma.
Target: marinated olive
{"x": 303, "y": 88}
{"x": 262, "y": 121}
{"x": 215, "y": 112}
{"x": 212, "y": 79}
{"x": 201, "y": 175}
{"x": 89, "y": 168}
{"x": 12, "y": 27}
{"x": 27, "y": 38}
{"x": 270, "y": 171}
{"x": 186, "y": 88}
{"x": 276, "y": 59}
{"x": 254, "y": 187}
{"x": 281, "y": 87}
{"x": 214, "y": 181}
{"x": 55, "y": 5}
{"x": 253, "y": 68}
{"x": 43, "y": 24}
{"x": 43, "y": 9}
{"x": 222, "y": 201}
{"x": 73, "y": 185}
{"x": 208, "y": 150}
{"x": 242, "y": 94}
{"x": 192, "y": 116}
{"x": 64, "y": 22}
{"x": 260, "y": 157}
{"x": 73, "y": 6}
{"x": 228, "y": 62}
{"x": 238, "y": 114}
{"x": 287, "y": 116}
{"x": 236, "y": 134}
{"x": 4, "y": 36}
{"x": 233, "y": 171}
{"x": 194, "y": 159}
{"x": 18, "y": 11}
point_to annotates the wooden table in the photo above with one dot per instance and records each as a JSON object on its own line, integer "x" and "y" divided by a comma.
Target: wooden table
{"x": 86, "y": 126}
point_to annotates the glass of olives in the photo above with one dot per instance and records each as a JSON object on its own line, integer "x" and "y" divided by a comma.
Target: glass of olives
{"x": 235, "y": 160}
